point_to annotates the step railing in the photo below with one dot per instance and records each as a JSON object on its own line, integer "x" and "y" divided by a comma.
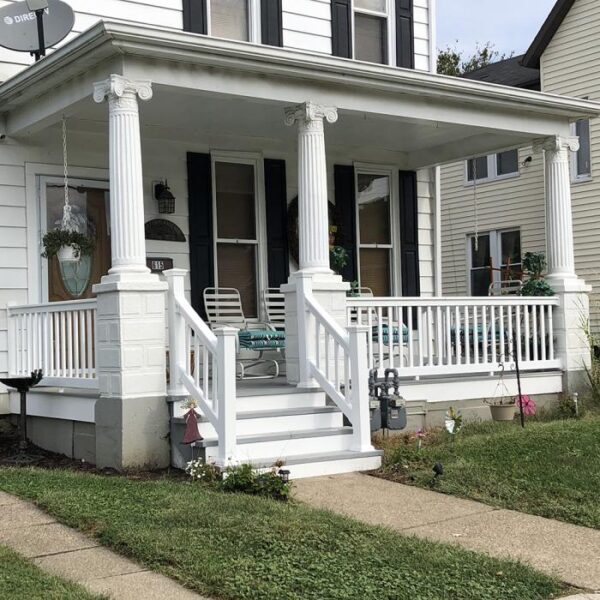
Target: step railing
{"x": 57, "y": 337}
{"x": 449, "y": 336}
{"x": 202, "y": 366}
{"x": 336, "y": 358}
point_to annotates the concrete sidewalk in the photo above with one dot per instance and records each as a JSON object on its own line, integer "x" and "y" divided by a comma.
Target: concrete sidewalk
{"x": 67, "y": 553}
{"x": 568, "y": 552}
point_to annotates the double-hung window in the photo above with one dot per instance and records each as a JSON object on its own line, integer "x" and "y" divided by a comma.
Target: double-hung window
{"x": 493, "y": 166}
{"x": 374, "y": 225}
{"x": 372, "y": 30}
{"x": 493, "y": 257}
{"x": 229, "y": 19}
{"x": 581, "y": 161}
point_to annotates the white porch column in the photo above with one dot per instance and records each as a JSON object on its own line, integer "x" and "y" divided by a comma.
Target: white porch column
{"x": 128, "y": 243}
{"x": 131, "y": 415}
{"x": 572, "y": 316}
{"x": 313, "y": 233}
{"x": 313, "y": 210}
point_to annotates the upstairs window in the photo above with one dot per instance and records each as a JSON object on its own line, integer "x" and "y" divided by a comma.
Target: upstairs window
{"x": 493, "y": 166}
{"x": 581, "y": 161}
{"x": 371, "y": 26}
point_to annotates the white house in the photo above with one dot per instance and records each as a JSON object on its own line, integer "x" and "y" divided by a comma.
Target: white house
{"x": 244, "y": 106}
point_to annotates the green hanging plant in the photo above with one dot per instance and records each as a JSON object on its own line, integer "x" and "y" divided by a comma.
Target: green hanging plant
{"x": 338, "y": 258}
{"x": 56, "y": 239}
{"x": 534, "y": 265}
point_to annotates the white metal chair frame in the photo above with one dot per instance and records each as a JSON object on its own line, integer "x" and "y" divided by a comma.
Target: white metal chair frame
{"x": 223, "y": 308}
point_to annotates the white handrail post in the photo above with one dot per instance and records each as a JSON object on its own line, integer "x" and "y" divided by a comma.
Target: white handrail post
{"x": 12, "y": 340}
{"x": 359, "y": 372}
{"x": 306, "y": 328}
{"x": 177, "y": 346}
{"x": 226, "y": 395}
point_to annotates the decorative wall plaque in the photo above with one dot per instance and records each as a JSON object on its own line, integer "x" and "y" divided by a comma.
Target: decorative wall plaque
{"x": 163, "y": 230}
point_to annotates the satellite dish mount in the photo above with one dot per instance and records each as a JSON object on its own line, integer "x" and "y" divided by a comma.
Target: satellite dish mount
{"x": 38, "y": 7}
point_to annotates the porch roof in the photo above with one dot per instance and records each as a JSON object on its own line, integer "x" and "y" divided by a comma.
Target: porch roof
{"x": 429, "y": 118}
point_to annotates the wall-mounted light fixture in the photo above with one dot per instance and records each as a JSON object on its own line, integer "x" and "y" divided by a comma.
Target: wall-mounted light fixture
{"x": 528, "y": 161}
{"x": 165, "y": 198}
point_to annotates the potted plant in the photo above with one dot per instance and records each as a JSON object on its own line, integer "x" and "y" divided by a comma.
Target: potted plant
{"x": 534, "y": 265}
{"x": 67, "y": 245}
{"x": 502, "y": 409}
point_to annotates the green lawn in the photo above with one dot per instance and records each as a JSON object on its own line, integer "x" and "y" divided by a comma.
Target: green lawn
{"x": 240, "y": 547}
{"x": 21, "y": 579}
{"x": 551, "y": 469}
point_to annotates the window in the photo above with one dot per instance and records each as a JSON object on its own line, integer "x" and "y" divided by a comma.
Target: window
{"x": 495, "y": 257}
{"x": 229, "y": 19}
{"x": 374, "y": 224}
{"x": 371, "y": 30}
{"x": 581, "y": 163}
{"x": 90, "y": 207}
{"x": 236, "y": 228}
{"x": 494, "y": 166}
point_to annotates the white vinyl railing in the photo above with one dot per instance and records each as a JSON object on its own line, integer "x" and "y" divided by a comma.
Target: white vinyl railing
{"x": 58, "y": 338}
{"x": 202, "y": 366}
{"x": 446, "y": 336}
{"x": 336, "y": 358}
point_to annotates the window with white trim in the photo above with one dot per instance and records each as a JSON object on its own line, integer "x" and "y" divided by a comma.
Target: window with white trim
{"x": 493, "y": 167}
{"x": 372, "y": 30}
{"x": 374, "y": 232}
{"x": 234, "y": 19}
{"x": 581, "y": 161}
{"x": 493, "y": 257}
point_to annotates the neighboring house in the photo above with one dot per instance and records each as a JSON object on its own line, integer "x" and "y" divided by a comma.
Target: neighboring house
{"x": 563, "y": 59}
{"x": 273, "y": 122}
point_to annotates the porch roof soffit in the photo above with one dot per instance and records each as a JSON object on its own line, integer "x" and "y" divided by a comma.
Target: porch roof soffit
{"x": 178, "y": 60}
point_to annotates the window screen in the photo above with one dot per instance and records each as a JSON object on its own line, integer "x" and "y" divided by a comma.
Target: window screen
{"x": 582, "y": 129}
{"x": 370, "y": 38}
{"x": 229, "y": 19}
{"x": 477, "y": 168}
{"x": 507, "y": 162}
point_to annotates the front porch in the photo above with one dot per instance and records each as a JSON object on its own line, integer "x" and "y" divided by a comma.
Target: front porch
{"x": 218, "y": 104}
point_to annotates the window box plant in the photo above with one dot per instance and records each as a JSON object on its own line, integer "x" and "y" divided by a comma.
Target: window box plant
{"x": 66, "y": 245}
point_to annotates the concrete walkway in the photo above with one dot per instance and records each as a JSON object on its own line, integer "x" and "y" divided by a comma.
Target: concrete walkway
{"x": 568, "y": 552}
{"x": 69, "y": 554}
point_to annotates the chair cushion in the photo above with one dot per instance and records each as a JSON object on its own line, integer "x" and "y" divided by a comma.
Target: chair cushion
{"x": 385, "y": 334}
{"x": 259, "y": 339}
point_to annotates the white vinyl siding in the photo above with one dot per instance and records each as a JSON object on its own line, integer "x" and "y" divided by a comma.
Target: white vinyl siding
{"x": 307, "y": 25}
{"x": 571, "y": 66}
{"x": 423, "y": 34}
{"x": 513, "y": 203}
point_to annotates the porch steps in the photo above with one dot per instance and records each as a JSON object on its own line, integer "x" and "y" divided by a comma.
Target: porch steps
{"x": 281, "y": 423}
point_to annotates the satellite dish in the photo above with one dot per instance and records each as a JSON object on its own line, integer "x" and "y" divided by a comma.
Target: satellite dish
{"x": 18, "y": 25}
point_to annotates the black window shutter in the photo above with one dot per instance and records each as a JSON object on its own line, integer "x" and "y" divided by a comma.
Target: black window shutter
{"x": 409, "y": 234}
{"x": 194, "y": 16}
{"x": 341, "y": 26}
{"x": 276, "y": 204}
{"x": 405, "y": 34}
{"x": 201, "y": 227}
{"x": 271, "y": 22}
{"x": 345, "y": 208}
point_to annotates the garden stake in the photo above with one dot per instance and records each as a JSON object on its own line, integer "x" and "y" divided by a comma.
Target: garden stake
{"x": 518, "y": 370}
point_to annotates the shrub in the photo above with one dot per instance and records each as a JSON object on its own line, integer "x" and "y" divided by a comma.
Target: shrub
{"x": 198, "y": 470}
{"x": 57, "y": 238}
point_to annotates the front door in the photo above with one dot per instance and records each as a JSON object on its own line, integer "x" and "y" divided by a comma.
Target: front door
{"x": 91, "y": 212}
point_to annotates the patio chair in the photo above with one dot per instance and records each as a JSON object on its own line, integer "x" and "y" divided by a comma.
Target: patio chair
{"x": 275, "y": 308}
{"x": 508, "y": 287}
{"x": 224, "y": 308}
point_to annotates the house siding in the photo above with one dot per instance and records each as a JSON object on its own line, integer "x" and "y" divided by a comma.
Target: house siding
{"x": 306, "y": 25}
{"x": 571, "y": 66}
{"x": 514, "y": 203}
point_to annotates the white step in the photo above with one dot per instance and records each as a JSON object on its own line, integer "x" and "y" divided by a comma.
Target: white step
{"x": 332, "y": 463}
{"x": 278, "y": 398}
{"x": 285, "y": 445}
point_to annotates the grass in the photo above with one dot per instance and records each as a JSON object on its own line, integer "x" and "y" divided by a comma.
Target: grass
{"x": 247, "y": 548}
{"x": 551, "y": 469}
{"x": 21, "y": 579}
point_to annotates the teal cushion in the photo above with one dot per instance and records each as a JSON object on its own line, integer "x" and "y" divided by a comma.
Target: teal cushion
{"x": 385, "y": 334}
{"x": 260, "y": 339}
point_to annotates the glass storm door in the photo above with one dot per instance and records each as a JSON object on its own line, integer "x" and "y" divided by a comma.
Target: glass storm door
{"x": 91, "y": 212}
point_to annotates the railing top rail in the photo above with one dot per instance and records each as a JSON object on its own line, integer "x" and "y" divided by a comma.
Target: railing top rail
{"x": 87, "y": 304}
{"x": 456, "y": 301}
{"x": 333, "y": 327}
{"x": 201, "y": 329}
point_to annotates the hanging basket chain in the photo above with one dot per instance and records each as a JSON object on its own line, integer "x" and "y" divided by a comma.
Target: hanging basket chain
{"x": 67, "y": 222}
{"x": 475, "y": 207}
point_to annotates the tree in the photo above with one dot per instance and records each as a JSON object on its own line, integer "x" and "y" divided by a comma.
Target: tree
{"x": 453, "y": 62}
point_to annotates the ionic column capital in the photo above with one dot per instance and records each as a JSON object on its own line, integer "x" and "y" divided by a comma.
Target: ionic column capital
{"x": 309, "y": 112}
{"x": 558, "y": 143}
{"x": 117, "y": 87}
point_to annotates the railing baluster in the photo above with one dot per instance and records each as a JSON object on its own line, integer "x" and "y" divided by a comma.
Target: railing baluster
{"x": 475, "y": 335}
{"x": 457, "y": 335}
{"x": 527, "y": 334}
{"x": 551, "y": 333}
{"x": 429, "y": 336}
{"x": 543, "y": 332}
{"x": 485, "y": 334}
{"x": 411, "y": 348}
{"x": 502, "y": 337}
{"x": 534, "y": 313}
{"x": 380, "y": 340}
{"x": 519, "y": 339}
{"x": 468, "y": 335}
{"x": 420, "y": 334}
{"x": 511, "y": 340}
{"x": 448, "y": 323}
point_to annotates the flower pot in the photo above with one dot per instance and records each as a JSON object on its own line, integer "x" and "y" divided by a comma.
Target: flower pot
{"x": 67, "y": 254}
{"x": 504, "y": 412}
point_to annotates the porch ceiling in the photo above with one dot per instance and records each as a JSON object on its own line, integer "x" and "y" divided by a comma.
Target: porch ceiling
{"x": 204, "y": 86}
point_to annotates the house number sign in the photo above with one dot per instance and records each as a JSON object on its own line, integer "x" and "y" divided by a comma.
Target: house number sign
{"x": 158, "y": 265}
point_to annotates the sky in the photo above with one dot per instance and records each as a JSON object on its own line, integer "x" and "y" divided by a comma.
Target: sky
{"x": 510, "y": 25}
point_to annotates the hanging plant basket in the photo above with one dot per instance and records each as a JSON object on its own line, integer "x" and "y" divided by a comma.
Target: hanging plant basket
{"x": 503, "y": 412}
{"x": 67, "y": 246}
